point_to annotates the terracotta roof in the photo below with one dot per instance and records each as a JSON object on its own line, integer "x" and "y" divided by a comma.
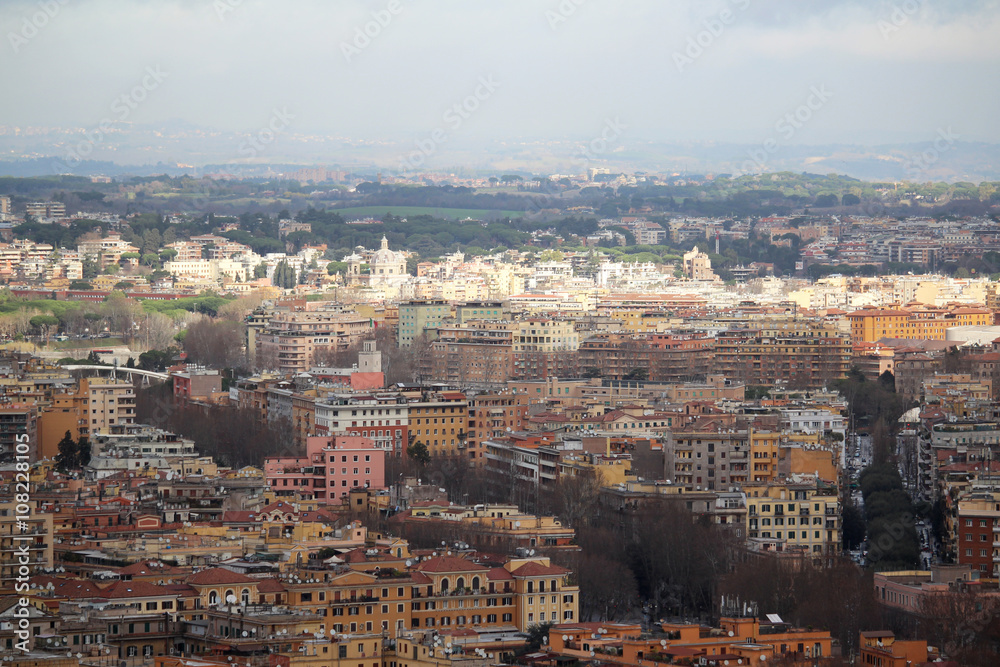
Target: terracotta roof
{"x": 149, "y": 568}
{"x": 134, "y": 589}
{"x": 69, "y": 588}
{"x": 499, "y": 574}
{"x": 270, "y": 585}
{"x": 538, "y": 570}
{"x": 216, "y": 576}
{"x": 448, "y": 564}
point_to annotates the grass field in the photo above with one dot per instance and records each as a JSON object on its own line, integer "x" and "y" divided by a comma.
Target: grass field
{"x": 444, "y": 213}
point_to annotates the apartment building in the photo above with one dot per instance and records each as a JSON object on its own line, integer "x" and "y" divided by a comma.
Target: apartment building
{"x": 544, "y": 347}
{"x": 793, "y": 516}
{"x": 802, "y": 354}
{"x": 479, "y": 354}
{"x": 493, "y": 415}
{"x": 331, "y": 468}
{"x": 661, "y": 357}
{"x": 383, "y": 417}
{"x": 45, "y": 209}
{"x": 105, "y": 251}
{"x": 416, "y": 317}
{"x": 977, "y": 532}
{"x": 701, "y": 459}
{"x": 109, "y": 402}
{"x": 698, "y": 266}
{"x": 16, "y": 421}
{"x": 439, "y": 420}
{"x": 293, "y": 341}
{"x": 869, "y": 325}
{"x": 36, "y": 535}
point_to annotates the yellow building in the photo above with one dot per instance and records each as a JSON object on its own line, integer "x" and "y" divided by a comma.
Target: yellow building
{"x": 37, "y": 539}
{"x": 794, "y": 515}
{"x": 869, "y": 325}
{"x": 439, "y": 421}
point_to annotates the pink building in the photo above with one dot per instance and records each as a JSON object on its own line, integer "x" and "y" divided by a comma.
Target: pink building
{"x": 330, "y": 468}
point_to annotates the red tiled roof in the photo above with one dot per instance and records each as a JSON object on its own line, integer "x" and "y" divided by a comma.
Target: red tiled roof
{"x": 149, "y": 568}
{"x": 216, "y": 576}
{"x": 134, "y": 589}
{"x": 270, "y": 585}
{"x": 499, "y": 574}
{"x": 69, "y": 588}
{"x": 538, "y": 570}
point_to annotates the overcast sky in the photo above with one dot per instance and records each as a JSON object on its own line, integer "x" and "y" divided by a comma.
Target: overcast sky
{"x": 886, "y": 71}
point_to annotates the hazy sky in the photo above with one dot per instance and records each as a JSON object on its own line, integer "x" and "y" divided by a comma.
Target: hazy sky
{"x": 884, "y": 71}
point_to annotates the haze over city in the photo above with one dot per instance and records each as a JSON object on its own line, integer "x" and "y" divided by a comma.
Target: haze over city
{"x": 373, "y": 73}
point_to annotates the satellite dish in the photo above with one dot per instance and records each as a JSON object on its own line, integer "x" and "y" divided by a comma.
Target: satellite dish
{"x": 231, "y": 599}
{"x": 730, "y": 633}
{"x": 409, "y": 563}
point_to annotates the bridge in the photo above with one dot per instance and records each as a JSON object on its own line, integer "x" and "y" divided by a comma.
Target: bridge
{"x": 121, "y": 370}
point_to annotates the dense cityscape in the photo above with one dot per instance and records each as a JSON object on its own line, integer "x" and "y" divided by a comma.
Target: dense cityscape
{"x": 620, "y": 431}
{"x": 520, "y": 334}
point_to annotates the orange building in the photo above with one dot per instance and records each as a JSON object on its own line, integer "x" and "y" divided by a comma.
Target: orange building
{"x": 747, "y": 639}
{"x": 919, "y": 322}
{"x": 882, "y": 649}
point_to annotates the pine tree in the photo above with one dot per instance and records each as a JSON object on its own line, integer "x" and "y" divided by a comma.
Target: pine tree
{"x": 83, "y": 452}
{"x": 67, "y": 457}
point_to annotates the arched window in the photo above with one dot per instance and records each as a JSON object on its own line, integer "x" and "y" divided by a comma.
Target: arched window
{"x": 230, "y": 593}
{"x": 475, "y": 583}
{"x": 245, "y": 596}
{"x": 460, "y": 583}
{"x": 444, "y": 585}
{"x": 213, "y": 597}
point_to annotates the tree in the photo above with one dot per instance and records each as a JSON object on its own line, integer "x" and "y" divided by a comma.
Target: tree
{"x": 72, "y": 455}
{"x": 81, "y": 285}
{"x": 66, "y": 458}
{"x": 45, "y": 324}
{"x": 284, "y": 276}
{"x": 91, "y": 269}
{"x": 418, "y": 452}
{"x": 83, "y": 452}
{"x": 538, "y": 635}
{"x": 260, "y": 271}
{"x": 215, "y": 343}
{"x": 167, "y": 254}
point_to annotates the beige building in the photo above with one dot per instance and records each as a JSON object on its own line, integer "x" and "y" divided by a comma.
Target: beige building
{"x": 37, "y": 538}
{"x": 697, "y": 266}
